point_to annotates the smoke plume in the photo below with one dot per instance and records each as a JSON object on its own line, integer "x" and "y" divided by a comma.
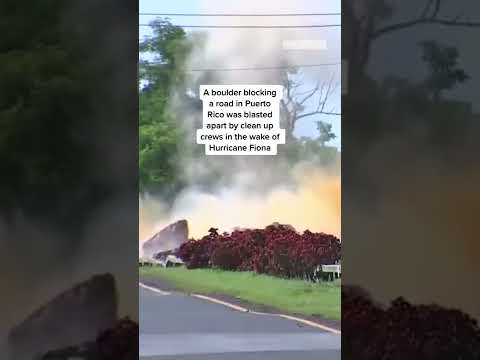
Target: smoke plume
{"x": 251, "y": 191}
{"x": 313, "y": 203}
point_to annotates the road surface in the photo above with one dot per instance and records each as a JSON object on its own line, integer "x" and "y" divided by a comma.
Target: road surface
{"x": 177, "y": 326}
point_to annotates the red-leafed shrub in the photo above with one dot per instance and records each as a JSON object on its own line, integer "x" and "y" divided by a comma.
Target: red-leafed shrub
{"x": 196, "y": 253}
{"x": 119, "y": 342}
{"x": 281, "y": 249}
{"x": 405, "y": 331}
{"x": 276, "y": 250}
{"x": 226, "y": 256}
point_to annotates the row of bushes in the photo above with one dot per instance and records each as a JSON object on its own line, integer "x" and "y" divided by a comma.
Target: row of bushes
{"x": 117, "y": 343}
{"x": 276, "y": 250}
{"x": 405, "y": 331}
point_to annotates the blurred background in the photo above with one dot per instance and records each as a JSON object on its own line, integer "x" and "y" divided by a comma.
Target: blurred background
{"x": 410, "y": 143}
{"x": 68, "y": 154}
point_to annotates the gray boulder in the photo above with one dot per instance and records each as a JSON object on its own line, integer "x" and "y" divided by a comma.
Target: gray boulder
{"x": 75, "y": 316}
{"x": 169, "y": 238}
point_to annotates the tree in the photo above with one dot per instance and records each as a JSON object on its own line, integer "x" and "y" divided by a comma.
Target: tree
{"x": 160, "y": 134}
{"x": 443, "y": 71}
{"x": 169, "y": 47}
{"x": 158, "y": 145}
{"x": 325, "y": 132}
{"x": 364, "y": 21}
{"x": 50, "y": 96}
{"x": 294, "y": 104}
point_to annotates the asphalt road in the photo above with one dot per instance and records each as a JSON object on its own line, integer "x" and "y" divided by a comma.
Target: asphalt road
{"x": 181, "y": 327}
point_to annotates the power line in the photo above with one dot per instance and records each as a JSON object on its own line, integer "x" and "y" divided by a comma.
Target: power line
{"x": 330, "y": 113}
{"x": 259, "y": 69}
{"x": 251, "y": 68}
{"x": 239, "y": 15}
{"x": 245, "y": 26}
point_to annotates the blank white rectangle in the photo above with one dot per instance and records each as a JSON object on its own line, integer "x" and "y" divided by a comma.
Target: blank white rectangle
{"x": 305, "y": 44}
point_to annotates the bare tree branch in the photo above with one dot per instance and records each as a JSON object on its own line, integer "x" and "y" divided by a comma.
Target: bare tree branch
{"x": 310, "y": 94}
{"x": 436, "y": 9}
{"x": 426, "y": 9}
{"x": 425, "y": 19}
{"x": 408, "y": 24}
{"x": 284, "y": 106}
{"x": 322, "y": 101}
{"x": 292, "y": 105}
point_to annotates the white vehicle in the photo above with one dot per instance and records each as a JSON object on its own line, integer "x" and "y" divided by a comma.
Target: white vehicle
{"x": 171, "y": 261}
{"x": 145, "y": 261}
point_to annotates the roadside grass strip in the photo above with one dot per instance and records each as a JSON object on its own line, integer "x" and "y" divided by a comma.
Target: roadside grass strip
{"x": 292, "y": 296}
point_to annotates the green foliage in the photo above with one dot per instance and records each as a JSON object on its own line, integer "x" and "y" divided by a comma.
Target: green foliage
{"x": 160, "y": 134}
{"x": 45, "y": 82}
{"x": 158, "y": 141}
{"x": 170, "y": 48}
{"x": 311, "y": 150}
{"x": 398, "y": 105}
{"x": 443, "y": 71}
{"x": 325, "y": 132}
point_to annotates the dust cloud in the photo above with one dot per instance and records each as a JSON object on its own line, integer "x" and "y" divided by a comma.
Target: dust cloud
{"x": 312, "y": 202}
{"x": 251, "y": 192}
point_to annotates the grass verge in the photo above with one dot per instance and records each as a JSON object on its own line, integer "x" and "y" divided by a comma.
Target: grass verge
{"x": 293, "y": 296}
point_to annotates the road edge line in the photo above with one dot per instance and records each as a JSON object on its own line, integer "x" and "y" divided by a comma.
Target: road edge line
{"x": 158, "y": 291}
{"x": 311, "y": 323}
{"x": 245, "y": 310}
{"x": 224, "y": 303}
{"x": 284, "y": 316}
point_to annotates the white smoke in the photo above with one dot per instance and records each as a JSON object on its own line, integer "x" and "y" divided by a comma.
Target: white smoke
{"x": 253, "y": 191}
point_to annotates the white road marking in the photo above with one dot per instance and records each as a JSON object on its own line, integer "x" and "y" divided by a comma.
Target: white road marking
{"x": 216, "y": 301}
{"x": 311, "y": 323}
{"x": 288, "y": 317}
{"x": 245, "y": 310}
{"x": 155, "y": 290}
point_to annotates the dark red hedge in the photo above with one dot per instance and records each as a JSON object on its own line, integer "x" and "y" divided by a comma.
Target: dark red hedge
{"x": 405, "y": 331}
{"x": 276, "y": 250}
{"x": 117, "y": 343}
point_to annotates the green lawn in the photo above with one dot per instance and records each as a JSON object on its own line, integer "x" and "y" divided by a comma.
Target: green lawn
{"x": 293, "y": 296}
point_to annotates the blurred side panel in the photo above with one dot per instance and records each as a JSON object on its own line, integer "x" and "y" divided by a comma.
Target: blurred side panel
{"x": 69, "y": 170}
{"x": 410, "y": 175}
